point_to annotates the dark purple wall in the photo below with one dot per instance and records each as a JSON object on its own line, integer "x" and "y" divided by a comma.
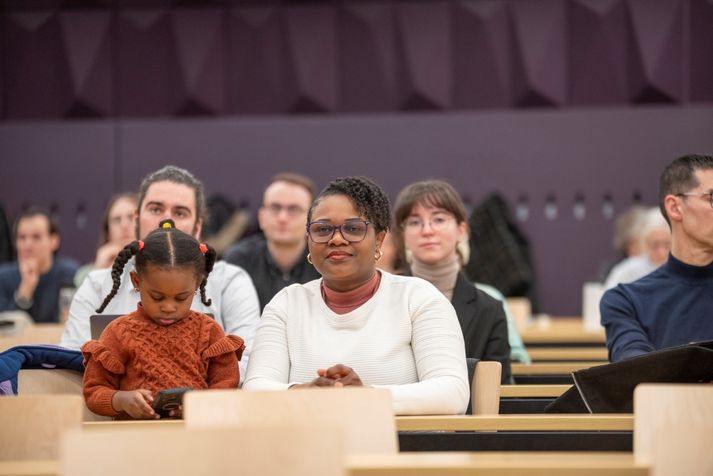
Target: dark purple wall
{"x": 595, "y": 152}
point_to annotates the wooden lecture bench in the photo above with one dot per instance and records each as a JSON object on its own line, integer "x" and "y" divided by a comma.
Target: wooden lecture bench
{"x": 563, "y": 331}
{"x": 534, "y": 432}
{"x": 536, "y": 422}
{"x": 570, "y": 354}
{"x": 440, "y": 463}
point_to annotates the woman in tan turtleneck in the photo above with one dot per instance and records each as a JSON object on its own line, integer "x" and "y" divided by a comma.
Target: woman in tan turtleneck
{"x": 431, "y": 220}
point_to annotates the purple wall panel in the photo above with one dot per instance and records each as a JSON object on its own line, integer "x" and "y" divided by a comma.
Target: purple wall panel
{"x": 36, "y": 71}
{"x": 66, "y": 167}
{"x": 701, "y": 50}
{"x": 148, "y": 75}
{"x": 424, "y": 65}
{"x": 539, "y": 54}
{"x": 87, "y": 38}
{"x": 312, "y": 43}
{"x": 368, "y": 53}
{"x": 260, "y": 75}
{"x": 481, "y": 55}
{"x": 598, "y": 51}
{"x": 656, "y": 70}
{"x": 199, "y": 36}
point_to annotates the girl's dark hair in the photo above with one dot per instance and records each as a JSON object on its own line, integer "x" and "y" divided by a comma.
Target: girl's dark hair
{"x": 165, "y": 247}
{"x": 368, "y": 198}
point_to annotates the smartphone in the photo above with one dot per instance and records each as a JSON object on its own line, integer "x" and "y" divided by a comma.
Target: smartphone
{"x": 169, "y": 399}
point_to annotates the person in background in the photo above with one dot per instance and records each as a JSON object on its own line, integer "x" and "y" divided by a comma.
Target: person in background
{"x": 278, "y": 257}
{"x": 672, "y": 305}
{"x": 627, "y": 238}
{"x": 359, "y": 325}
{"x": 118, "y": 230}
{"x": 655, "y": 237}
{"x": 162, "y": 344}
{"x": 170, "y": 192}
{"x": 33, "y": 283}
{"x": 431, "y": 220}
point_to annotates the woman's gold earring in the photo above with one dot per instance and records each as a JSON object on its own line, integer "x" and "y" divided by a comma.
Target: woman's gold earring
{"x": 309, "y": 258}
{"x": 378, "y": 255}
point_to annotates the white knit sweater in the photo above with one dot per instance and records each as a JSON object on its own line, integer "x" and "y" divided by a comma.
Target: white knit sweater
{"x": 405, "y": 338}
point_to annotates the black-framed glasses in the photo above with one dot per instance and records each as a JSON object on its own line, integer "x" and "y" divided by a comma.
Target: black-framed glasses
{"x": 698, "y": 194}
{"x": 352, "y": 231}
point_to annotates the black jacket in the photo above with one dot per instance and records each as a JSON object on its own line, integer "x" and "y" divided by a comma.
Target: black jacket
{"x": 484, "y": 326}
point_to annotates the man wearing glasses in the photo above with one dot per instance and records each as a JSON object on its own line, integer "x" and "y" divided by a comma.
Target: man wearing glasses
{"x": 672, "y": 305}
{"x": 278, "y": 257}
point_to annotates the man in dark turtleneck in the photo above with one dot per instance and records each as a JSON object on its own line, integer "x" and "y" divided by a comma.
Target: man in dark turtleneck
{"x": 674, "y": 304}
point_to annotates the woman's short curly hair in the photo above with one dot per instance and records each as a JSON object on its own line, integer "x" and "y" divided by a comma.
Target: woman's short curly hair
{"x": 368, "y": 198}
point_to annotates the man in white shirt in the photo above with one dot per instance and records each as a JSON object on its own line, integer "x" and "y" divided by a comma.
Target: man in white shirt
{"x": 174, "y": 193}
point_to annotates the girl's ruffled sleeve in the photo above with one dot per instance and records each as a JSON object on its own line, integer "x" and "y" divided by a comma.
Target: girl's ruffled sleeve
{"x": 222, "y": 356}
{"x": 102, "y": 370}
{"x": 224, "y": 345}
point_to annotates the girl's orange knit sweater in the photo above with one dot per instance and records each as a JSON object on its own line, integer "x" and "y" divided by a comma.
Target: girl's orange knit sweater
{"x": 135, "y": 352}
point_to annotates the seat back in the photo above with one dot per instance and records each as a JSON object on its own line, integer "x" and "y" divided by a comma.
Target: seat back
{"x": 54, "y": 382}
{"x": 33, "y": 334}
{"x": 30, "y": 426}
{"x": 176, "y": 451}
{"x": 484, "y": 379}
{"x": 673, "y": 427}
{"x": 365, "y": 415}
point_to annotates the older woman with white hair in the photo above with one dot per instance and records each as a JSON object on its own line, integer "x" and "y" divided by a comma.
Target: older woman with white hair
{"x": 655, "y": 245}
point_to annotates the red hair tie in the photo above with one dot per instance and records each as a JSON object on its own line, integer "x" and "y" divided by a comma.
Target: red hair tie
{"x": 141, "y": 245}
{"x": 203, "y": 247}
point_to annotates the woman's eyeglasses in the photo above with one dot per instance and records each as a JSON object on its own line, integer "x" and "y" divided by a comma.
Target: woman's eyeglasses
{"x": 437, "y": 222}
{"x": 352, "y": 231}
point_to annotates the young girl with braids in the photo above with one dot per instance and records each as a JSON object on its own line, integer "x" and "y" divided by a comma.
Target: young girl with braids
{"x": 163, "y": 344}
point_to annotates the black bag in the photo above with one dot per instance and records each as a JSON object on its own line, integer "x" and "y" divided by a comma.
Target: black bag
{"x": 610, "y": 388}
{"x": 499, "y": 251}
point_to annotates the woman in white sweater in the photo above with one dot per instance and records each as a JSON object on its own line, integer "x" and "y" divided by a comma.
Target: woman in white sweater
{"x": 358, "y": 325}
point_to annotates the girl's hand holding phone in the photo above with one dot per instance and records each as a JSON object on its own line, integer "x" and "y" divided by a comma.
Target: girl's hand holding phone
{"x": 136, "y": 403}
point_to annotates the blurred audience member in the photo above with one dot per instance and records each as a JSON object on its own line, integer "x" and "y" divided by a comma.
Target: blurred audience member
{"x": 278, "y": 257}
{"x": 655, "y": 243}
{"x": 33, "y": 282}
{"x": 627, "y": 231}
{"x": 118, "y": 230}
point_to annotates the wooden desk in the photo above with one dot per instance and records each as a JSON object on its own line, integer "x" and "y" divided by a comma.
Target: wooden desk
{"x": 538, "y": 354}
{"x": 561, "y": 331}
{"x": 29, "y": 468}
{"x": 495, "y": 463}
{"x": 551, "y": 368}
{"x": 534, "y": 422}
{"x": 532, "y": 391}
{"x": 131, "y": 424}
{"x": 438, "y": 463}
